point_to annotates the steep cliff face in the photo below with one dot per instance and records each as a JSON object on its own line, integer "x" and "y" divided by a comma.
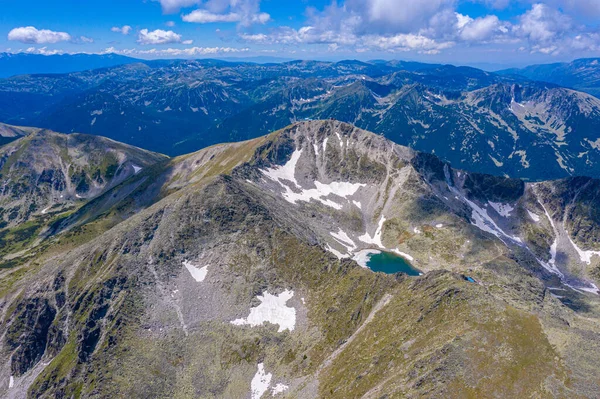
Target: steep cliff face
{"x": 239, "y": 271}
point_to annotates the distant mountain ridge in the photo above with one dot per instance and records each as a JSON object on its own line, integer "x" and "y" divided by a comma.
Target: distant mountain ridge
{"x": 581, "y": 74}
{"x": 12, "y": 64}
{"x": 477, "y": 120}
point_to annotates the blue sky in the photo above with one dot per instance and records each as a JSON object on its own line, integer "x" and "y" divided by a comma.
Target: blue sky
{"x": 476, "y": 32}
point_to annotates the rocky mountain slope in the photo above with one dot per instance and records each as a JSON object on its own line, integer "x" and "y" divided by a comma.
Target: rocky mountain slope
{"x": 10, "y": 133}
{"x": 501, "y": 125}
{"x": 45, "y": 176}
{"x": 239, "y": 271}
{"x": 582, "y": 74}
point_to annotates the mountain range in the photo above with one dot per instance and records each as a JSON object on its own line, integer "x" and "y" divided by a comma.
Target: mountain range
{"x": 12, "y": 64}
{"x": 505, "y": 125}
{"x": 582, "y": 74}
{"x": 243, "y": 270}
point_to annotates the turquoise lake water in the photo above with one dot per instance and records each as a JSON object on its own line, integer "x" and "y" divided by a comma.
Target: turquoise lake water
{"x": 390, "y": 263}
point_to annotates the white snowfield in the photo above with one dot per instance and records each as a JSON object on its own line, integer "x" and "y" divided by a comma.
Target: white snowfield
{"x": 403, "y": 254}
{"x": 262, "y": 381}
{"x": 295, "y": 193}
{"x": 337, "y": 253}
{"x": 198, "y": 273}
{"x": 502, "y": 209}
{"x": 136, "y": 169}
{"x": 533, "y": 216}
{"x": 362, "y": 257}
{"x": 342, "y": 238}
{"x": 279, "y": 388}
{"x": 376, "y": 238}
{"x": 272, "y": 309}
{"x": 551, "y": 264}
{"x": 585, "y": 256}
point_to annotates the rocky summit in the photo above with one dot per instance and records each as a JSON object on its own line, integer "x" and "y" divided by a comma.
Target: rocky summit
{"x": 244, "y": 270}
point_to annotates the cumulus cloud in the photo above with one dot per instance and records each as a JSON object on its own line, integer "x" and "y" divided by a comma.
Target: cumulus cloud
{"x": 32, "y": 35}
{"x": 173, "y": 6}
{"x": 433, "y": 26}
{"x": 244, "y": 12}
{"x": 394, "y": 16}
{"x": 124, "y": 30}
{"x": 480, "y": 29}
{"x": 543, "y": 24}
{"x": 205, "y": 17}
{"x": 158, "y": 36}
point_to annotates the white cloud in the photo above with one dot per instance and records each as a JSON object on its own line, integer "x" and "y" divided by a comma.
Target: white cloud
{"x": 170, "y": 24}
{"x": 44, "y": 51}
{"x": 30, "y": 34}
{"x": 173, "y": 6}
{"x": 395, "y": 16}
{"x": 479, "y": 29}
{"x": 124, "y": 30}
{"x": 205, "y": 17}
{"x": 84, "y": 39}
{"x": 176, "y": 52}
{"x": 158, "y": 36}
{"x": 407, "y": 42}
{"x": 542, "y": 24}
{"x": 244, "y": 12}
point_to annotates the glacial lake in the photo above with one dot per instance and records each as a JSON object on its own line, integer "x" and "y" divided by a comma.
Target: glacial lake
{"x": 385, "y": 262}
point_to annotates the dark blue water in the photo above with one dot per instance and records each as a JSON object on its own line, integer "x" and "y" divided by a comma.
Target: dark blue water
{"x": 390, "y": 263}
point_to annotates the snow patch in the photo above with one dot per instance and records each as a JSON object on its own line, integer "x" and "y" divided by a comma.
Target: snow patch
{"x": 551, "y": 264}
{"x": 136, "y": 169}
{"x": 585, "y": 256}
{"x": 286, "y": 172}
{"x": 11, "y": 382}
{"x": 45, "y": 210}
{"x": 375, "y": 239}
{"x": 316, "y": 147}
{"x": 358, "y": 204}
{"x": 325, "y": 144}
{"x": 479, "y": 216}
{"x": 279, "y": 388}
{"x": 533, "y": 216}
{"x": 439, "y": 226}
{"x": 403, "y": 254}
{"x": 362, "y": 257}
{"x": 343, "y": 239}
{"x": 272, "y": 309}
{"x": 340, "y": 139}
{"x": 260, "y": 383}
{"x": 337, "y": 253}
{"x": 502, "y": 209}
{"x": 198, "y": 273}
